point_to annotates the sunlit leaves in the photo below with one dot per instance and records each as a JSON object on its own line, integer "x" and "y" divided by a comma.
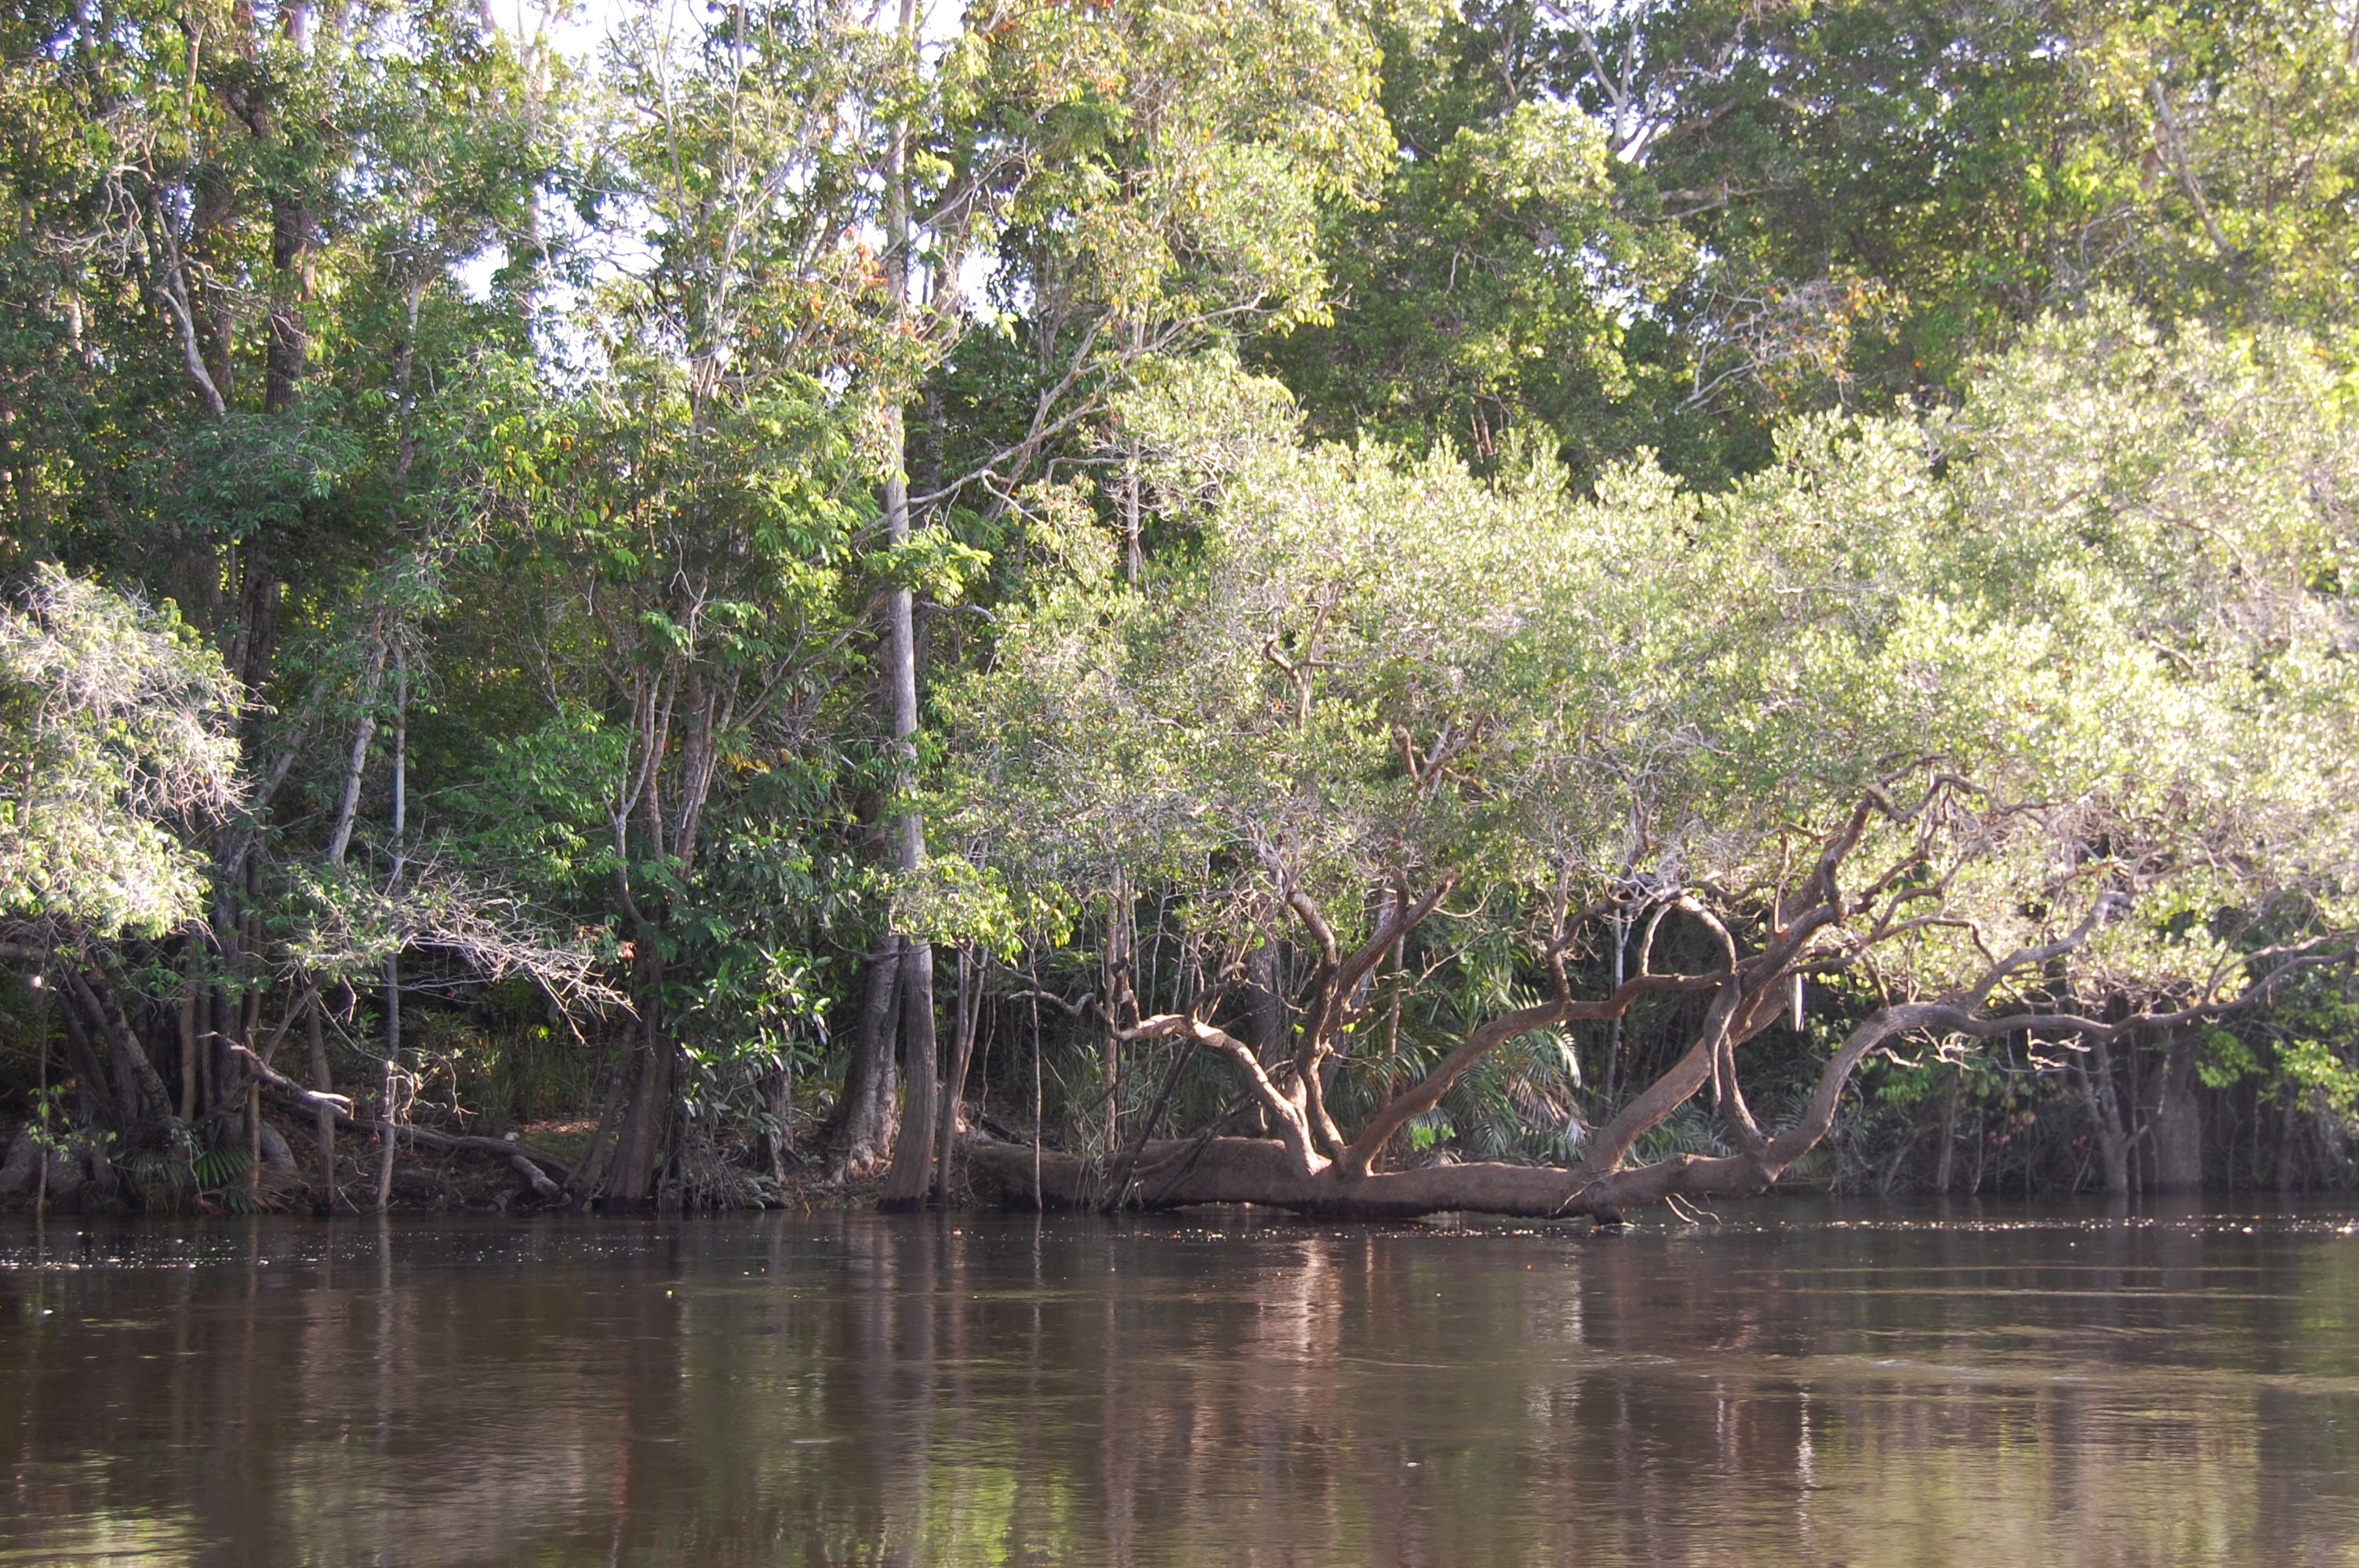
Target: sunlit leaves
{"x": 2088, "y": 597}
{"x": 114, "y": 745}
{"x": 1179, "y": 153}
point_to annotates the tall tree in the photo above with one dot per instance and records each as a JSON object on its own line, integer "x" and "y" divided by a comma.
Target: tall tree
{"x": 1165, "y": 168}
{"x": 734, "y": 396}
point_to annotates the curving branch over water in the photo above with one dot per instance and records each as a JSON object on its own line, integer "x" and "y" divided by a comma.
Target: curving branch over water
{"x": 1815, "y": 928}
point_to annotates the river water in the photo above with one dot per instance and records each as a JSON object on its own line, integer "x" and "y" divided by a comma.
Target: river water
{"x": 1794, "y": 1385}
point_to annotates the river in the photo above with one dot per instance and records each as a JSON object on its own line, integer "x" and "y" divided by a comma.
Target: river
{"x": 1796, "y": 1384}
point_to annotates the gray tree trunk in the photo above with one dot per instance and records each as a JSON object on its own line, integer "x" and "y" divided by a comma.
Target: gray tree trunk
{"x": 2179, "y": 1119}
{"x": 913, "y": 1154}
{"x": 954, "y": 1081}
{"x": 868, "y": 1076}
{"x": 2095, "y": 1072}
{"x": 911, "y": 1178}
{"x": 324, "y": 1123}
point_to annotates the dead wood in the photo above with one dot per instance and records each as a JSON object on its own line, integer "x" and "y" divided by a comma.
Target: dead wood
{"x": 340, "y": 1107}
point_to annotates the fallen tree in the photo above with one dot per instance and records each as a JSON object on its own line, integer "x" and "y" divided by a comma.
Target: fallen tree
{"x": 2027, "y": 720}
{"x": 543, "y": 1170}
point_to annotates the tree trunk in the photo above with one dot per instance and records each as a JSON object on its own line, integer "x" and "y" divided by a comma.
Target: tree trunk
{"x": 913, "y": 1150}
{"x": 1947, "y": 1168}
{"x": 868, "y": 1076}
{"x": 212, "y": 223}
{"x": 1174, "y": 1172}
{"x": 293, "y": 231}
{"x": 911, "y": 1178}
{"x": 2179, "y": 1119}
{"x": 1265, "y": 1002}
{"x": 588, "y": 1172}
{"x": 253, "y": 1138}
{"x": 1266, "y": 1013}
{"x": 209, "y": 1048}
{"x": 339, "y": 834}
{"x": 21, "y": 1167}
{"x": 2098, "y": 1092}
{"x": 388, "y": 1131}
{"x": 191, "y": 987}
{"x": 2288, "y": 1133}
{"x": 141, "y": 1100}
{"x": 638, "y": 1148}
{"x": 778, "y": 1143}
{"x": 95, "y": 1092}
{"x": 954, "y": 1080}
{"x": 1620, "y": 925}
{"x": 324, "y": 1122}
{"x": 392, "y": 959}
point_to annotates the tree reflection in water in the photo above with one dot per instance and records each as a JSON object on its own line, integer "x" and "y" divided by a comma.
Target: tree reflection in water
{"x": 841, "y": 1390}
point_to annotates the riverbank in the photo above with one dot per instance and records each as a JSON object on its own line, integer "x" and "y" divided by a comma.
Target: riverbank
{"x": 434, "y": 1169}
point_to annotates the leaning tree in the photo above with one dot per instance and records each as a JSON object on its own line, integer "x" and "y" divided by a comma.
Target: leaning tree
{"x": 2029, "y": 719}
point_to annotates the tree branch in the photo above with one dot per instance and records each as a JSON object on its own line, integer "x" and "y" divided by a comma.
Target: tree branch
{"x": 1361, "y": 1152}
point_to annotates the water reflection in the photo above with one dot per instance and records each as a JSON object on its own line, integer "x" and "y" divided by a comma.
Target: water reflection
{"x": 1786, "y": 1388}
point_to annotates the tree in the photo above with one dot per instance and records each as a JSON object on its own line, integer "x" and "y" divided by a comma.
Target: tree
{"x": 1156, "y": 179}
{"x": 116, "y": 754}
{"x": 1504, "y": 278}
{"x": 2026, "y": 720}
{"x": 701, "y": 493}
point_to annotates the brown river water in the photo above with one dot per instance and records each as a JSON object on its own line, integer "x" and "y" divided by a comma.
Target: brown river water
{"x": 1795, "y": 1385}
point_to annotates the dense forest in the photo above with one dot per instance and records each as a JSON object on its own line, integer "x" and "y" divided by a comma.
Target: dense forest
{"x": 1534, "y": 607}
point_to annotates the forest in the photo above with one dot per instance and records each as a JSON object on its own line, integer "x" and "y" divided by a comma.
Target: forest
{"x": 1378, "y": 608}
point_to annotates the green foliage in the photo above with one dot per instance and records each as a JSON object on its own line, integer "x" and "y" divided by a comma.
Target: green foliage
{"x": 1385, "y": 668}
{"x": 1494, "y": 284}
{"x": 2318, "y": 1070}
{"x": 2310, "y": 1035}
{"x": 207, "y": 1173}
{"x": 114, "y": 747}
{"x": 47, "y": 1124}
{"x": 2226, "y": 1061}
{"x": 1370, "y": 669}
{"x": 1686, "y": 416}
{"x": 1180, "y": 153}
{"x": 1803, "y": 206}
